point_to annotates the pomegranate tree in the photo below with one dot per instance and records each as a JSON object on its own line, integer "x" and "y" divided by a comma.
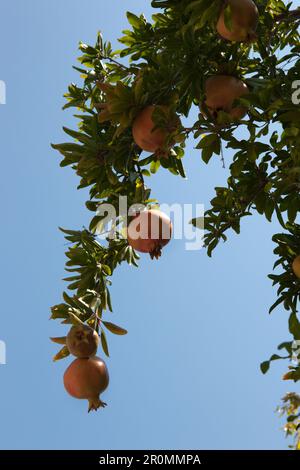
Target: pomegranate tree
{"x": 129, "y": 101}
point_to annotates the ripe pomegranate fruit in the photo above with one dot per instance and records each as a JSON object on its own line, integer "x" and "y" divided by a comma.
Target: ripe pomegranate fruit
{"x": 144, "y": 134}
{"x": 244, "y": 20}
{"x": 221, "y": 91}
{"x": 296, "y": 266}
{"x": 82, "y": 341}
{"x": 86, "y": 379}
{"x": 149, "y": 232}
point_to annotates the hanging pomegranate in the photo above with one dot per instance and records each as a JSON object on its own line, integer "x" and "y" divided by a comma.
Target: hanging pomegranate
{"x": 86, "y": 379}
{"x": 244, "y": 21}
{"x": 221, "y": 91}
{"x": 144, "y": 133}
{"x": 149, "y": 232}
{"x": 82, "y": 341}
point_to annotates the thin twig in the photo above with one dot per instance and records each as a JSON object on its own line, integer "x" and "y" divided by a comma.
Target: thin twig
{"x": 222, "y": 155}
{"x": 115, "y": 62}
{"x": 292, "y": 14}
{"x": 194, "y": 128}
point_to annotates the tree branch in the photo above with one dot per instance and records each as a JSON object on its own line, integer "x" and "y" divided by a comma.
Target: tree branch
{"x": 113, "y": 61}
{"x": 292, "y": 14}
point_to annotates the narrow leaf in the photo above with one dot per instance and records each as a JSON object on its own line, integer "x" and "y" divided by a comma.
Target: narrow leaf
{"x": 115, "y": 329}
{"x": 60, "y": 340}
{"x": 64, "y": 352}
{"x": 104, "y": 343}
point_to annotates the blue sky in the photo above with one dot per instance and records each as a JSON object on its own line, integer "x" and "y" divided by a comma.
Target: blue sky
{"x": 187, "y": 374}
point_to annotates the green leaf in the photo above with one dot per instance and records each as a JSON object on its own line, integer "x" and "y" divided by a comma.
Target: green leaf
{"x": 60, "y": 340}
{"x": 228, "y": 17}
{"x": 252, "y": 153}
{"x": 198, "y": 222}
{"x": 109, "y": 304}
{"x": 117, "y": 330}
{"x": 104, "y": 343}
{"x": 264, "y": 367}
{"x": 294, "y": 326}
{"x": 269, "y": 209}
{"x": 207, "y": 153}
{"x": 180, "y": 168}
{"x": 59, "y": 311}
{"x": 134, "y": 20}
{"x": 279, "y": 216}
{"x": 207, "y": 141}
{"x": 212, "y": 246}
{"x": 278, "y": 301}
{"x": 106, "y": 269}
{"x": 64, "y": 352}
{"x": 154, "y": 167}
{"x": 74, "y": 319}
{"x": 111, "y": 176}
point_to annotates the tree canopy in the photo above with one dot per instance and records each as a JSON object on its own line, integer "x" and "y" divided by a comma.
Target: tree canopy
{"x": 166, "y": 61}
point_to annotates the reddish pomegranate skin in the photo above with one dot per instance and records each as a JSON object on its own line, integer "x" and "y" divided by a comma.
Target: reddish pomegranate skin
{"x": 221, "y": 91}
{"x": 143, "y": 131}
{"x": 86, "y": 379}
{"x": 244, "y": 16}
{"x": 149, "y": 232}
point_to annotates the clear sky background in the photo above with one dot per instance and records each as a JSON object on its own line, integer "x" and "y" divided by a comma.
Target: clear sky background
{"x": 187, "y": 374}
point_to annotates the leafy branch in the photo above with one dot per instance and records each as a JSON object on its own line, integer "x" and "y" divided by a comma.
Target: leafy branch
{"x": 169, "y": 60}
